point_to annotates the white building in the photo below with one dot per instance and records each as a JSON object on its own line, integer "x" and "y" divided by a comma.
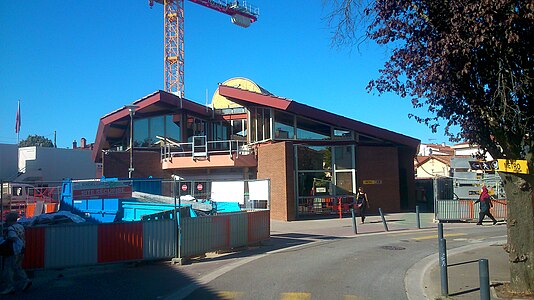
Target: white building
{"x": 54, "y": 164}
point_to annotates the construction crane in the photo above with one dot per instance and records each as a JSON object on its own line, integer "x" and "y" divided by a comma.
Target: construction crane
{"x": 242, "y": 15}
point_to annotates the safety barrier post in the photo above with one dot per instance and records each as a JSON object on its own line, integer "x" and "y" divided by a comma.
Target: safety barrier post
{"x": 354, "y": 221}
{"x": 339, "y": 199}
{"x": 383, "y": 219}
{"x": 440, "y": 231}
{"x": 443, "y": 267}
{"x": 418, "y": 217}
{"x": 483, "y": 272}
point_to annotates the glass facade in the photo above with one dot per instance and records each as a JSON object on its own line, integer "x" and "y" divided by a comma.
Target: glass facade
{"x": 284, "y": 126}
{"x": 325, "y": 182}
{"x": 260, "y": 121}
{"x": 311, "y": 130}
{"x": 149, "y": 131}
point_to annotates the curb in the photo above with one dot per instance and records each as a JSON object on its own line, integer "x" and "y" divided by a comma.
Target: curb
{"x": 414, "y": 277}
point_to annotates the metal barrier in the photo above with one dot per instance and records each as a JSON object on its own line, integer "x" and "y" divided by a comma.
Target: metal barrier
{"x": 466, "y": 210}
{"x": 89, "y": 244}
{"x": 201, "y": 147}
{"x": 224, "y": 232}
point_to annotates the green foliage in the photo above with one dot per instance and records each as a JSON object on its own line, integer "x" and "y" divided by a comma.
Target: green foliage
{"x": 471, "y": 64}
{"x": 36, "y": 140}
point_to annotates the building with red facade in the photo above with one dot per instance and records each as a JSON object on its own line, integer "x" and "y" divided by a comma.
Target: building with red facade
{"x": 314, "y": 159}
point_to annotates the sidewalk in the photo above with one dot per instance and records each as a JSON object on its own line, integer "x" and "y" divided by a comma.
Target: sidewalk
{"x": 463, "y": 271}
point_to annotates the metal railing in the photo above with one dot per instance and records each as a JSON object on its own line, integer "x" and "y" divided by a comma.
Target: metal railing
{"x": 466, "y": 210}
{"x": 201, "y": 147}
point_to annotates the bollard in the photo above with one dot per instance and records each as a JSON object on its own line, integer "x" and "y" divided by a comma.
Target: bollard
{"x": 383, "y": 219}
{"x": 483, "y": 272}
{"x": 440, "y": 231}
{"x": 354, "y": 221}
{"x": 417, "y": 216}
{"x": 443, "y": 267}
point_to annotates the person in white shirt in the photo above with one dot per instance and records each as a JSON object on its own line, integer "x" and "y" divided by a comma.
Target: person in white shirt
{"x": 13, "y": 264}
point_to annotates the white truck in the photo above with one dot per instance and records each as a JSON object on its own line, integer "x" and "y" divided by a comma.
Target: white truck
{"x": 28, "y": 200}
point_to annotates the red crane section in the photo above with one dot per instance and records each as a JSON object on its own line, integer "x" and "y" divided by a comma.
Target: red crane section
{"x": 242, "y": 15}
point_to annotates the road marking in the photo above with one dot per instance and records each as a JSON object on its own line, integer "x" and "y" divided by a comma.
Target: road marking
{"x": 435, "y": 236}
{"x": 230, "y": 295}
{"x": 295, "y": 296}
{"x": 351, "y": 297}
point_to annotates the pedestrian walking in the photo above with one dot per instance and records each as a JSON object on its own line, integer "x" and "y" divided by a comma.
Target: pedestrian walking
{"x": 13, "y": 272}
{"x": 485, "y": 205}
{"x": 362, "y": 202}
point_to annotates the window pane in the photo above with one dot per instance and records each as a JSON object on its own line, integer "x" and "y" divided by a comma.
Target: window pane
{"x": 343, "y": 157}
{"x": 314, "y": 158}
{"x": 173, "y": 129}
{"x": 259, "y": 120}
{"x": 267, "y": 124}
{"x": 310, "y": 130}
{"x": 314, "y": 184}
{"x": 283, "y": 126}
{"x": 238, "y": 130}
{"x": 141, "y": 138}
{"x": 343, "y": 183}
{"x": 156, "y": 129}
{"x": 253, "y": 125}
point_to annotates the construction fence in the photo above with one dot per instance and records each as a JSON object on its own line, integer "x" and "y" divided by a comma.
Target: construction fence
{"x": 73, "y": 245}
{"x": 454, "y": 199}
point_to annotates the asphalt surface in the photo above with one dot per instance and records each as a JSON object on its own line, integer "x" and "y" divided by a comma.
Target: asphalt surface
{"x": 214, "y": 273}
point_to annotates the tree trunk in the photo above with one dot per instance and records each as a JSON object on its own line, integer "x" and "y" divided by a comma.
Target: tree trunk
{"x": 520, "y": 246}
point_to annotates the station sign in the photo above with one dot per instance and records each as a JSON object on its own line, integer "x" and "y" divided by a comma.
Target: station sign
{"x": 513, "y": 166}
{"x": 373, "y": 181}
{"x": 101, "y": 190}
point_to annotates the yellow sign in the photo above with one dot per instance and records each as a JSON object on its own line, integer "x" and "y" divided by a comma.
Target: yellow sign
{"x": 372, "y": 181}
{"x": 513, "y": 166}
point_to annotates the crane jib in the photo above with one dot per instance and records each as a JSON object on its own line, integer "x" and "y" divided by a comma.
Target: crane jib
{"x": 232, "y": 7}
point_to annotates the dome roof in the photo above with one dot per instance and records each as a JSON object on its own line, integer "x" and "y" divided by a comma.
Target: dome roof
{"x": 219, "y": 101}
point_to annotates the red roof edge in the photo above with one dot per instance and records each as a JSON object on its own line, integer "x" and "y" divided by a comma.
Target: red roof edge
{"x": 317, "y": 114}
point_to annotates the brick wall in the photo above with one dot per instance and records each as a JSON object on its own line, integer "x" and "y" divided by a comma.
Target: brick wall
{"x": 379, "y": 164}
{"x": 145, "y": 163}
{"x": 275, "y": 162}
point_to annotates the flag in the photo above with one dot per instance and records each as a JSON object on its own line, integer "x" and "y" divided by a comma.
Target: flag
{"x": 17, "y": 122}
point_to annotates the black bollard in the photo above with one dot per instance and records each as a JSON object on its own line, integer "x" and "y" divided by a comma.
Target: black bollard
{"x": 483, "y": 272}
{"x": 443, "y": 267}
{"x": 354, "y": 221}
{"x": 383, "y": 219}
{"x": 417, "y": 216}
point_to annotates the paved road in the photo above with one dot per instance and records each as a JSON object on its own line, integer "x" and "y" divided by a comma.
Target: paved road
{"x": 304, "y": 260}
{"x": 363, "y": 267}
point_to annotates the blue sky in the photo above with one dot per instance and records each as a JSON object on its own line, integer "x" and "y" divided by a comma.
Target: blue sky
{"x": 71, "y": 62}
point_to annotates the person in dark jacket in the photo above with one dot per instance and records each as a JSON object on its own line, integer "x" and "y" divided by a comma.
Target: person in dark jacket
{"x": 485, "y": 204}
{"x": 362, "y": 203}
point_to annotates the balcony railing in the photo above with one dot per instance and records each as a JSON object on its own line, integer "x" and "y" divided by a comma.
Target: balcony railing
{"x": 201, "y": 148}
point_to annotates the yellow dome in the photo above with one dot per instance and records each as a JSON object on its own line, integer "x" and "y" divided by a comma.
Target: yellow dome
{"x": 219, "y": 102}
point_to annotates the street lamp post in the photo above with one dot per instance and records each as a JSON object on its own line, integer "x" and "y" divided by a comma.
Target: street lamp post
{"x": 131, "y": 110}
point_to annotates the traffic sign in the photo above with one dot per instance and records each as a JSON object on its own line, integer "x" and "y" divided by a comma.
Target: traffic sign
{"x": 184, "y": 187}
{"x": 199, "y": 187}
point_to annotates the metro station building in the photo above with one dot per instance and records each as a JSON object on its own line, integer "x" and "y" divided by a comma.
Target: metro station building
{"x": 314, "y": 159}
